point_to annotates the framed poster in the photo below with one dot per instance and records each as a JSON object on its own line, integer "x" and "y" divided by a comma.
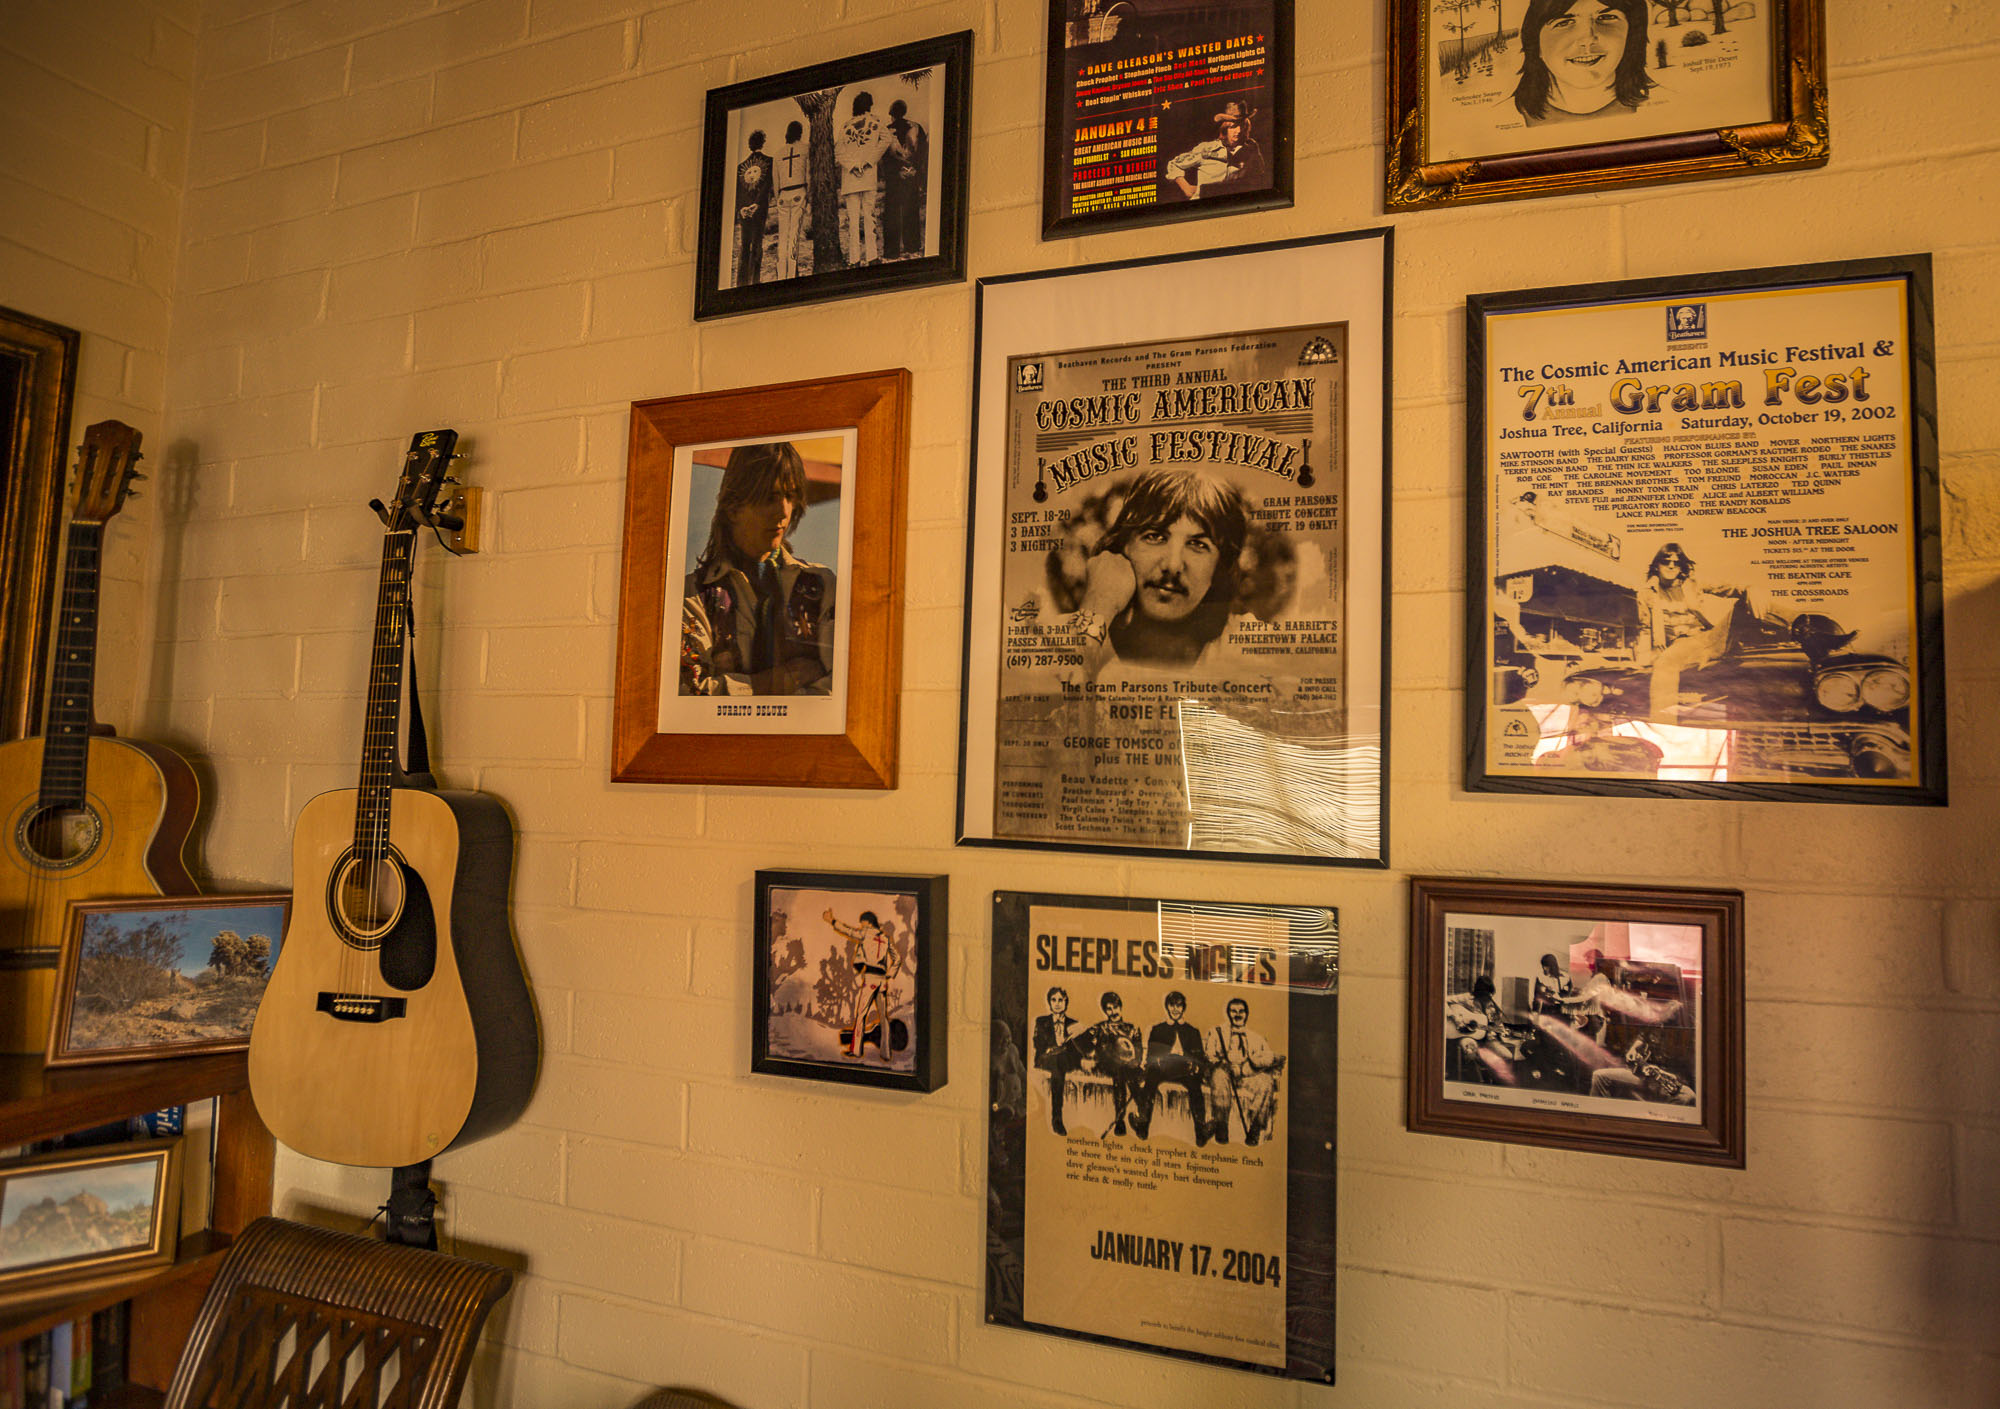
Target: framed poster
{"x": 775, "y": 515}
{"x": 87, "y": 1214}
{"x": 1599, "y": 1018}
{"x": 844, "y": 178}
{"x": 1496, "y": 99}
{"x": 1706, "y": 545}
{"x": 1160, "y": 110}
{"x": 1160, "y": 1161}
{"x": 150, "y": 978}
{"x": 850, "y": 978}
{"x": 1177, "y": 631}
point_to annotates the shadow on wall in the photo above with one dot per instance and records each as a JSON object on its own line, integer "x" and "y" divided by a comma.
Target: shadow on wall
{"x": 681, "y": 1399}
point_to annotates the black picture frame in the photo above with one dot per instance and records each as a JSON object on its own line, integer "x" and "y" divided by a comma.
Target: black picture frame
{"x": 1532, "y": 1071}
{"x": 1208, "y": 954}
{"x": 790, "y": 1041}
{"x": 1128, "y": 35}
{"x": 1801, "y": 748}
{"x": 943, "y": 208}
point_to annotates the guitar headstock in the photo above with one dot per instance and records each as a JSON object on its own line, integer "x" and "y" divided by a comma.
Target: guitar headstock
{"x": 105, "y": 465}
{"x": 422, "y": 479}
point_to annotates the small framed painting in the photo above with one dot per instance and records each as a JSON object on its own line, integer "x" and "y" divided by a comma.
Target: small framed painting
{"x": 850, "y": 972}
{"x": 840, "y": 179}
{"x": 157, "y": 977}
{"x": 1607, "y": 1019}
{"x": 83, "y": 1215}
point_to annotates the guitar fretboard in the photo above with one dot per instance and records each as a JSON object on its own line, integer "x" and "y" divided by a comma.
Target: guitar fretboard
{"x": 385, "y": 684}
{"x": 66, "y": 741}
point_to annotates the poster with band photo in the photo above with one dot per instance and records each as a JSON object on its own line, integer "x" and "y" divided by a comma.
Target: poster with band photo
{"x": 1706, "y": 546}
{"x": 1162, "y": 1146}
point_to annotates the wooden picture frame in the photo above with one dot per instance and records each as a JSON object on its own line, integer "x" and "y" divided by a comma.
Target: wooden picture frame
{"x": 1704, "y": 538}
{"x": 141, "y": 1174}
{"x": 891, "y": 935}
{"x": 1526, "y": 1027}
{"x": 1231, "y": 60}
{"x": 906, "y": 110}
{"x": 692, "y": 704}
{"x": 37, "y": 384}
{"x": 163, "y": 976}
{"x": 1458, "y": 134}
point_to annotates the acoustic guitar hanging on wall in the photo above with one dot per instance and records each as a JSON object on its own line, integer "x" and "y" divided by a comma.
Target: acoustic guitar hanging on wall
{"x": 397, "y": 1022}
{"x": 87, "y": 816}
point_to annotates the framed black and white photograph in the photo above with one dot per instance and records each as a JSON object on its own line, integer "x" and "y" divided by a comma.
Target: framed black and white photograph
{"x": 840, "y": 179}
{"x": 1160, "y": 110}
{"x": 1163, "y": 1137}
{"x": 850, "y": 978}
{"x": 1587, "y": 1017}
{"x": 1705, "y": 556}
{"x": 87, "y": 1214}
{"x": 1498, "y": 99}
{"x": 1177, "y": 634}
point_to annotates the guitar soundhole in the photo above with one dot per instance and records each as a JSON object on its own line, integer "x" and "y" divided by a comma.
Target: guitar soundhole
{"x": 59, "y": 837}
{"x": 368, "y": 897}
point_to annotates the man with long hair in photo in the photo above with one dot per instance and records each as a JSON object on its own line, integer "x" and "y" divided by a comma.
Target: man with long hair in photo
{"x": 755, "y": 619}
{"x": 1582, "y": 59}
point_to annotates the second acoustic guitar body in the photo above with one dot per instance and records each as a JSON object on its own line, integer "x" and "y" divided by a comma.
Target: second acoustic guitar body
{"x": 389, "y": 1049}
{"x": 125, "y": 840}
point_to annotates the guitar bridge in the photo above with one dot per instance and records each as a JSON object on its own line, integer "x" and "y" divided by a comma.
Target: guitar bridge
{"x": 360, "y": 1007}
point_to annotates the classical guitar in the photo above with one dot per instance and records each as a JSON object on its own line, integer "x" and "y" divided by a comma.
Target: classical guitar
{"x": 397, "y": 1022}
{"x": 87, "y": 817}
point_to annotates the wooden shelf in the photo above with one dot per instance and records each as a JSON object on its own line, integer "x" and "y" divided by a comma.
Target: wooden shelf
{"x": 199, "y": 1253}
{"x": 37, "y": 1103}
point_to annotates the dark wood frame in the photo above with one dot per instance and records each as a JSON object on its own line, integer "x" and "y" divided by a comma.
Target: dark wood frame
{"x": 933, "y": 953}
{"x": 78, "y": 1272}
{"x": 877, "y": 405}
{"x": 1927, "y": 702}
{"x": 1797, "y": 140}
{"x": 954, "y": 169}
{"x": 1278, "y": 149}
{"x": 31, "y": 506}
{"x": 1718, "y": 1140}
{"x": 68, "y": 968}
{"x": 1311, "y": 1134}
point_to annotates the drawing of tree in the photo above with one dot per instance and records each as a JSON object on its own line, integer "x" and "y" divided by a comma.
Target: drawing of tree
{"x": 1673, "y": 9}
{"x": 1459, "y": 18}
{"x": 1719, "y": 9}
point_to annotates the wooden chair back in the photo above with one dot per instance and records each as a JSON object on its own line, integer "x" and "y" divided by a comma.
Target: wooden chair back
{"x": 307, "y": 1318}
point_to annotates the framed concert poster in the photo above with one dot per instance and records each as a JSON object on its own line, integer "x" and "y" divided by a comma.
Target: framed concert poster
{"x": 1162, "y": 110}
{"x": 1705, "y": 558}
{"x": 1600, "y": 1018}
{"x": 1161, "y": 1151}
{"x": 850, "y": 974}
{"x": 1177, "y": 626}
{"x": 163, "y": 976}
{"x": 86, "y": 1215}
{"x": 760, "y": 602}
{"x": 1496, "y": 99}
{"x": 844, "y": 178}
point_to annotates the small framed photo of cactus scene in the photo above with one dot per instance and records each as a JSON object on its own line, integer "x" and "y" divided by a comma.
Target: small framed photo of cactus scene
{"x": 163, "y": 976}
{"x": 850, "y": 973}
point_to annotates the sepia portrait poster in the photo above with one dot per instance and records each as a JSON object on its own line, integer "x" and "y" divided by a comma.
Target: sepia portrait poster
{"x": 1162, "y": 1152}
{"x": 1162, "y": 108}
{"x": 1707, "y": 542}
{"x": 1516, "y": 76}
{"x": 755, "y": 634}
{"x": 1175, "y": 627}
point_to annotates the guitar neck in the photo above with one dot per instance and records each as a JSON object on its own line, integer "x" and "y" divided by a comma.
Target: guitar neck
{"x": 385, "y": 685}
{"x": 66, "y": 733}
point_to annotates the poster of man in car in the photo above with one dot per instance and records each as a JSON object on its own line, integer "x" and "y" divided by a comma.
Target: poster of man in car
{"x": 1703, "y": 533}
{"x": 1172, "y": 632}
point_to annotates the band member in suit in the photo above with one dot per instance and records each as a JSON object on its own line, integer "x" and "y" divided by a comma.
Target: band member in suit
{"x": 1056, "y": 1051}
{"x": 1243, "y": 1073}
{"x": 1117, "y": 1047}
{"x": 905, "y": 178}
{"x": 1174, "y": 1057}
{"x": 753, "y": 208}
{"x": 875, "y": 964}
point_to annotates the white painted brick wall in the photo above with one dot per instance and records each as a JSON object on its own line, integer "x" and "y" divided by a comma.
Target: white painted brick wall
{"x": 401, "y": 214}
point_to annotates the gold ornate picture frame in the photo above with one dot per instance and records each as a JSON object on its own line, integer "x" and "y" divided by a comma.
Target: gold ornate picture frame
{"x": 1692, "y": 90}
